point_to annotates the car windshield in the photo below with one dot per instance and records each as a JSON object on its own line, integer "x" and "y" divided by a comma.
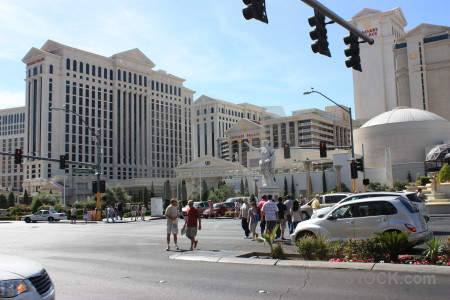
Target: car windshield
{"x": 217, "y": 205}
{"x": 413, "y": 197}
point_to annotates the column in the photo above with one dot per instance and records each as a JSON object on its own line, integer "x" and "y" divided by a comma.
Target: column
{"x": 296, "y": 143}
{"x": 307, "y": 164}
{"x": 338, "y": 177}
{"x": 280, "y": 143}
{"x": 288, "y": 139}
{"x": 240, "y": 151}
{"x": 270, "y": 135}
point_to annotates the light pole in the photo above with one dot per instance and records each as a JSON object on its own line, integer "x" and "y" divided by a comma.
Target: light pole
{"x": 349, "y": 111}
{"x": 97, "y": 143}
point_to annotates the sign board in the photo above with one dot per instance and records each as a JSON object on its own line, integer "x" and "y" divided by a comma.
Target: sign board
{"x": 83, "y": 171}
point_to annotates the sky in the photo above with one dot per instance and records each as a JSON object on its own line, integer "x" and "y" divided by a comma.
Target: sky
{"x": 206, "y": 42}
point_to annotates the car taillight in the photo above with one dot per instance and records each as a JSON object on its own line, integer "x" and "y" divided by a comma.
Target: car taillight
{"x": 411, "y": 227}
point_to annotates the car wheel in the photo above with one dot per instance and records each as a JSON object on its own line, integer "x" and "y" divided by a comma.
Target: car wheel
{"x": 51, "y": 219}
{"x": 34, "y": 221}
{"x": 305, "y": 215}
{"x": 205, "y": 217}
{"x": 27, "y": 220}
{"x": 304, "y": 234}
{"x": 393, "y": 230}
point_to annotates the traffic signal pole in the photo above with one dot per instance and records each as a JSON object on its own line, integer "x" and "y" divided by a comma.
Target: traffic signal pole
{"x": 331, "y": 15}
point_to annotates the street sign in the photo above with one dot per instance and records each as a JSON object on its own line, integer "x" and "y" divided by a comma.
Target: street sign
{"x": 83, "y": 171}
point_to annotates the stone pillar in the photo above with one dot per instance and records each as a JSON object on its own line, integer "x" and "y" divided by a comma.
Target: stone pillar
{"x": 307, "y": 164}
{"x": 288, "y": 137}
{"x": 280, "y": 141}
{"x": 296, "y": 138}
{"x": 270, "y": 135}
{"x": 240, "y": 151}
{"x": 338, "y": 177}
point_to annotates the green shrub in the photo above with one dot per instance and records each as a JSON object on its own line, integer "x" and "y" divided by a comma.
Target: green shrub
{"x": 424, "y": 180}
{"x": 314, "y": 248}
{"x": 278, "y": 252}
{"x": 393, "y": 243}
{"x": 363, "y": 250}
{"x": 444, "y": 173}
{"x": 434, "y": 247}
{"x": 400, "y": 185}
{"x": 36, "y": 205}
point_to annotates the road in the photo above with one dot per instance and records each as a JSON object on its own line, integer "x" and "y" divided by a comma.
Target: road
{"x": 129, "y": 261}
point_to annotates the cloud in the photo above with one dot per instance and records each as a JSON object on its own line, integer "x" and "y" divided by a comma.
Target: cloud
{"x": 11, "y": 99}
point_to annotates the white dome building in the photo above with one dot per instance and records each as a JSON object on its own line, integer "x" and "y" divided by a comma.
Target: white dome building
{"x": 406, "y": 132}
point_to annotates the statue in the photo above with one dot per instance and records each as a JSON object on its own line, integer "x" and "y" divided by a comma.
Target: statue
{"x": 266, "y": 163}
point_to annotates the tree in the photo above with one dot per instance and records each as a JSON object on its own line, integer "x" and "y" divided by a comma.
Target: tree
{"x": 152, "y": 191}
{"x": 324, "y": 182}
{"x": 47, "y": 198}
{"x": 444, "y": 173}
{"x": 195, "y": 195}
{"x": 3, "y": 201}
{"x": 205, "y": 191}
{"x": 146, "y": 196}
{"x": 11, "y": 199}
{"x": 246, "y": 192}
{"x": 409, "y": 177}
{"x": 242, "y": 190}
{"x": 26, "y": 198}
{"x": 293, "y": 186}
{"x": 256, "y": 190}
{"x": 222, "y": 193}
{"x": 37, "y": 203}
{"x": 167, "y": 193}
{"x": 179, "y": 190}
{"x": 285, "y": 187}
{"x": 183, "y": 192}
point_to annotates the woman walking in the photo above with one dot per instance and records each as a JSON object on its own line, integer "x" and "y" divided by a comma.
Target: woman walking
{"x": 296, "y": 213}
{"x": 253, "y": 218}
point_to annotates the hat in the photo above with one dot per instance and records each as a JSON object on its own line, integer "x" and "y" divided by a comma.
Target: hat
{"x": 317, "y": 195}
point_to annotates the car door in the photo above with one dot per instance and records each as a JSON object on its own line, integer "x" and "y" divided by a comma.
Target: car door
{"x": 339, "y": 224}
{"x": 368, "y": 219}
{"x": 38, "y": 216}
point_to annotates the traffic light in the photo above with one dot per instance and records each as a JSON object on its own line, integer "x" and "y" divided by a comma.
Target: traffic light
{"x": 62, "y": 162}
{"x": 102, "y": 186}
{"x": 319, "y": 34}
{"x": 360, "y": 164}
{"x": 255, "y": 9}
{"x": 323, "y": 149}
{"x": 94, "y": 187}
{"x": 18, "y": 156}
{"x": 353, "y": 170}
{"x": 366, "y": 181}
{"x": 287, "y": 150}
{"x": 353, "y": 61}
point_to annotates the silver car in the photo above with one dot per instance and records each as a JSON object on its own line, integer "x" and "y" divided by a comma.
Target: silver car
{"x": 326, "y": 200}
{"x": 411, "y": 196}
{"x": 22, "y": 279}
{"x": 361, "y": 219}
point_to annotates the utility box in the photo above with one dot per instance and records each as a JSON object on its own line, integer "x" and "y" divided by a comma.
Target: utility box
{"x": 157, "y": 206}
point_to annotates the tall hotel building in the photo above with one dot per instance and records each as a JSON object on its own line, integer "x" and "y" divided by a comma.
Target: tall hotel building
{"x": 12, "y": 134}
{"x": 213, "y": 117}
{"x": 142, "y": 115}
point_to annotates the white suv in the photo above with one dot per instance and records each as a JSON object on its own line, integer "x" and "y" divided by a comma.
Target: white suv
{"x": 44, "y": 215}
{"x": 361, "y": 219}
{"x": 411, "y": 196}
{"x": 23, "y": 279}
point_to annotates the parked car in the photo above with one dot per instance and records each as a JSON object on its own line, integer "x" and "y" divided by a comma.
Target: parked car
{"x": 362, "y": 218}
{"x": 44, "y": 215}
{"x": 235, "y": 199}
{"x": 200, "y": 205}
{"x": 411, "y": 196}
{"x": 327, "y": 200}
{"x": 220, "y": 209}
{"x": 24, "y": 279}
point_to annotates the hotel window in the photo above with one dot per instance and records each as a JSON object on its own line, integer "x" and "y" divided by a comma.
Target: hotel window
{"x": 81, "y": 67}
{"x": 87, "y": 69}
{"x": 99, "y": 71}
{"x": 129, "y": 77}
{"x": 124, "y": 76}
{"x": 68, "y": 64}
{"x": 111, "y": 75}
{"x": 74, "y": 66}
{"x": 50, "y": 70}
{"x": 145, "y": 81}
{"x": 93, "y": 70}
{"x": 119, "y": 75}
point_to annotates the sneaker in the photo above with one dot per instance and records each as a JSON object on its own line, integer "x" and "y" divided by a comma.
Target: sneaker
{"x": 176, "y": 247}
{"x": 167, "y": 248}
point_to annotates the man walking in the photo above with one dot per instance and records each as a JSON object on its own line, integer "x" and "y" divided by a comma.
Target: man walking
{"x": 243, "y": 214}
{"x": 261, "y": 203}
{"x": 192, "y": 217}
{"x": 288, "y": 203}
{"x": 172, "y": 223}
{"x": 270, "y": 211}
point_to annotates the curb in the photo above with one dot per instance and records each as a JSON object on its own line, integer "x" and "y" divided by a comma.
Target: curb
{"x": 381, "y": 267}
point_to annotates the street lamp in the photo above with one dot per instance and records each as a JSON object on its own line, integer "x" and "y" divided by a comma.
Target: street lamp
{"x": 97, "y": 136}
{"x": 349, "y": 111}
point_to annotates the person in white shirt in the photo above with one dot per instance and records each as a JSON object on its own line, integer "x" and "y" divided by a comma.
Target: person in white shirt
{"x": 243, "y": 214}
{"x": 172, "y": 223}
{"x": 270, "y": 216}
{"x": 288, "y": 204}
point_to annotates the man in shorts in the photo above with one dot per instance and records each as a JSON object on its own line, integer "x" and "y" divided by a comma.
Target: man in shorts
{"x": 172, "y": 223}
{"x": 270, "y": 210}
{"x": 192, "y": 217}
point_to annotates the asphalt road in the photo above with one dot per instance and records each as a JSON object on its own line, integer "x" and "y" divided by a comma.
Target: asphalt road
{"x": 129, "y": 261}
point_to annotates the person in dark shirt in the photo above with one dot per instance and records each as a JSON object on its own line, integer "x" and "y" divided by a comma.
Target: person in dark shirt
{"x": 282, "y": 218}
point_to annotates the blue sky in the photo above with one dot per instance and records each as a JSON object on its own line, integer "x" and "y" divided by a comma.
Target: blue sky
{"x": 206, "y": 42}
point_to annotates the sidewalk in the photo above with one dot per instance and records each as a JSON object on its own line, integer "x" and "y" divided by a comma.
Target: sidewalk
{"x": 219, "y": 256}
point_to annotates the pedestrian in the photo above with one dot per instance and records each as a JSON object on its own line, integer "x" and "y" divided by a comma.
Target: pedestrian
{"x": 143, "y": 212}
{"x": 85, "y": 214}
{"x": 420, "y": 195}
{"x": 73, "y": 215}
{"x": 237, "y": 208}
{"x": 243, "y": 214}
{"x": 315, "y": 205}
{"x": 116, "y": 211}
{"x": 281, "y": 218}
{"x": 192, "y": 217}
{"x": 261, "y": 203}
{"x": 270, "y": 215}
{"x": 211, "y": 209}
{"x": 296, "y": 213}
{"x": 253, "y": 218}
{"x": 139, "y": 211}
{"x": 180, "y": 210}
{"x": 134, "y": 212}
{"x": 110, "y": 214}
{"x": 172, "y": 223}
{"x": 120, "y": 210}
{"x": 288, "y": 216}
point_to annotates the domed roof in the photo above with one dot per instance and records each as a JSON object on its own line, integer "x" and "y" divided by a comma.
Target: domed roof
{"x": 403, "y": 114}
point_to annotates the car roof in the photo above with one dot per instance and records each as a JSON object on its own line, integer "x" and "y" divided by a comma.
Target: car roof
{"x": 372, "y": 199}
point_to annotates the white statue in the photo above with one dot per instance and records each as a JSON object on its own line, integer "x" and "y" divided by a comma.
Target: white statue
{"x": 236, "y": 156}
{"x": 266, "y": 163}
